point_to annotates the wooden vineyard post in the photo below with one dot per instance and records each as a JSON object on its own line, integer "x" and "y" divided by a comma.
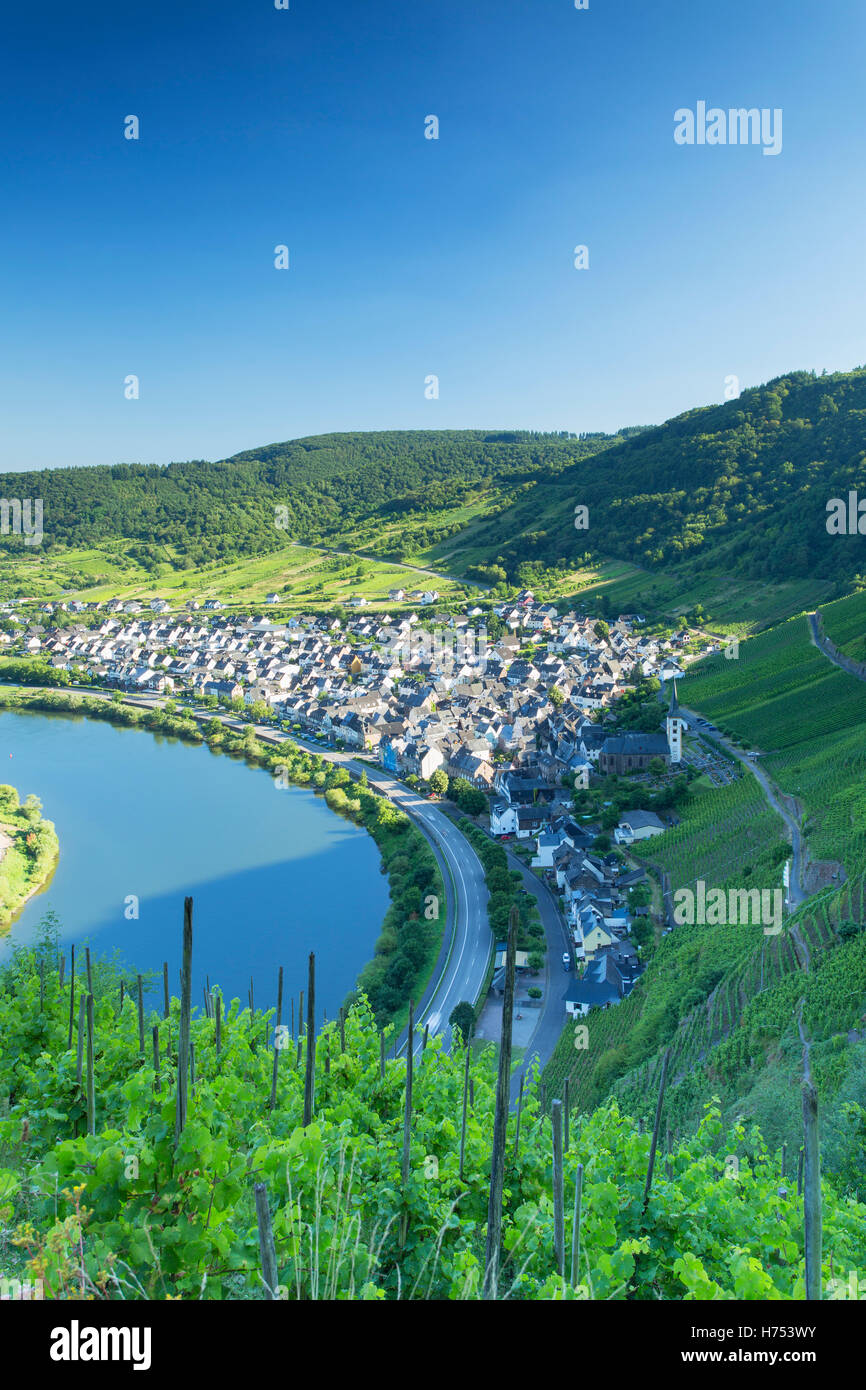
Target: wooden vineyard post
{"x": 656, "y": 1126}
{"x": 310, "y": 1076}
{"x": 500, "y": 1123}
{"x": 89, "y": 970}
{"x": 155, "y": 1035}
{"x": 465, "y": 1105}
{"x": 407, "y": 1115}
{"x": 79, "y": 1069}
{"x": 519, "y": 1113}
{"x": 166, "y": 1008}
{"x": 558, "y": 1190}
{"x": 140, "y": 1016}
{"x": 278, "y": 1040}
{"x": 71, "y": 992}
{"x": 91, "y": 1084}
{"x": 381, "y": 1056}
{"x": 219, "y": 1024}
{"x": 267, "y": 1248}
{"x": 575, "y": 1228}
{"x": 566, "y": 1112}
{"x": 185, "y": 1010}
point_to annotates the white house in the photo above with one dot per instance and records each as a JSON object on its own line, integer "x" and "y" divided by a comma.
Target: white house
{"x": 503, "y": 818}
{"x": 638, "y": 825}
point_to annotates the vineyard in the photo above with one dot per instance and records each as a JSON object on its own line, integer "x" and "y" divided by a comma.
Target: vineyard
{"x": 127, "y": 1174}
{"x": 845, "y": 624}
{"x": 726, "y": 835}
{"x": 734, "y": 1042}
{"x": 783, "y": 696}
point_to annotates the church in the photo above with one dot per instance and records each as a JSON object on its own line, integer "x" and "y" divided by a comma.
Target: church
{"x": 634, "y": 752}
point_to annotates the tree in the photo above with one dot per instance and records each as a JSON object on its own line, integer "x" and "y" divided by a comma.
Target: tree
{"x": 32, "y": 808}
{"x": 601, "y": 630}
{"x": 439, "y": 782}
{"x": 462, "y": 1016}
{"x": 557, "y": 699}
{"x": 467, "y": 797}
{"x": 536, "y": 961}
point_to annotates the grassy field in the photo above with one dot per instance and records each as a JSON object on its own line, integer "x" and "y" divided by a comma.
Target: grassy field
{"x": 393, "y": 557}
{"x": 303, "y": 576}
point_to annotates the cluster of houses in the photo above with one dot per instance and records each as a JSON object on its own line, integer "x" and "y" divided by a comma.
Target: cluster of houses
{"x": 417, "y": 696}
{"x": 594, "y": 889}
{"x": 513, "y": 716}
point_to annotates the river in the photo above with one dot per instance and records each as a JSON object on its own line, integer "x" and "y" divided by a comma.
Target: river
{"x": 273, "y": 874}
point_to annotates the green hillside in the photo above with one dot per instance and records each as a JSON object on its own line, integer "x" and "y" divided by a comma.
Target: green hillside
{"x": 742, "y": 486}
{"x": 733, "y": 494}
{"x": 782, "y": 696}
{"x": 724, "y": 999}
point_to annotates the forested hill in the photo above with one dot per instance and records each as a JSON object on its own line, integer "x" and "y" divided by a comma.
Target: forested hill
{"x": 740, "y": 488}
{"x": 330, "y": 485}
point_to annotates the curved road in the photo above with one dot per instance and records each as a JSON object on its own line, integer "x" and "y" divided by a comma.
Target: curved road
{"x": 462, "y": 963}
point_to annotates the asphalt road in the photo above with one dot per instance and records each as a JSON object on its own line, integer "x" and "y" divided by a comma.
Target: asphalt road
{"x": 467, "y": 943}
{"x": 462, "y": 964}
{"x": 552, "y": 1017}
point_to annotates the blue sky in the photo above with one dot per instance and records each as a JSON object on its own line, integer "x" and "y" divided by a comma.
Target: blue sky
{"x": 411, "y": 257}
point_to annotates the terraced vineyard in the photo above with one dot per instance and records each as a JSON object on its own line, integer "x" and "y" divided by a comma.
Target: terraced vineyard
{"x": 746, "y": 1029}
{"x": 727, "y": 835}
{"x": 845, "y": 625}
{"x": 785, "y": 697}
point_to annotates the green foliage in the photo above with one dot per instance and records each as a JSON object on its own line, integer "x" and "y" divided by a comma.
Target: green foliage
{"x": 128, "y": 1213}
{"x": 470, "y": 800}
{"x": 462, "y": 1016}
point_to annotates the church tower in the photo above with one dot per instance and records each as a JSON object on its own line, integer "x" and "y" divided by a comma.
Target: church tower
{"x": 674, "y": 727}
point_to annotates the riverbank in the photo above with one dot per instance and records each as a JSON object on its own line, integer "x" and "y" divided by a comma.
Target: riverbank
{"x": 410, "y": 937}
{"x": 29, "y": 849}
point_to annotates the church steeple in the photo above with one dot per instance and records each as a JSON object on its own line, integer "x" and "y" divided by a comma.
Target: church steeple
{"x": 674, "y": 725}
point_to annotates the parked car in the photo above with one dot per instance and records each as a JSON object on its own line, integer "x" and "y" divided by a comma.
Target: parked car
{"x": 566, "y": 960}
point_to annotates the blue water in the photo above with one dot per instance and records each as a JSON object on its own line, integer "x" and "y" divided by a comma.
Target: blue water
{"x": 273, "y": 874}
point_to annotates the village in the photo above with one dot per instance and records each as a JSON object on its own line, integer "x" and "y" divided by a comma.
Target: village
{"x": 516, "y": 725}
